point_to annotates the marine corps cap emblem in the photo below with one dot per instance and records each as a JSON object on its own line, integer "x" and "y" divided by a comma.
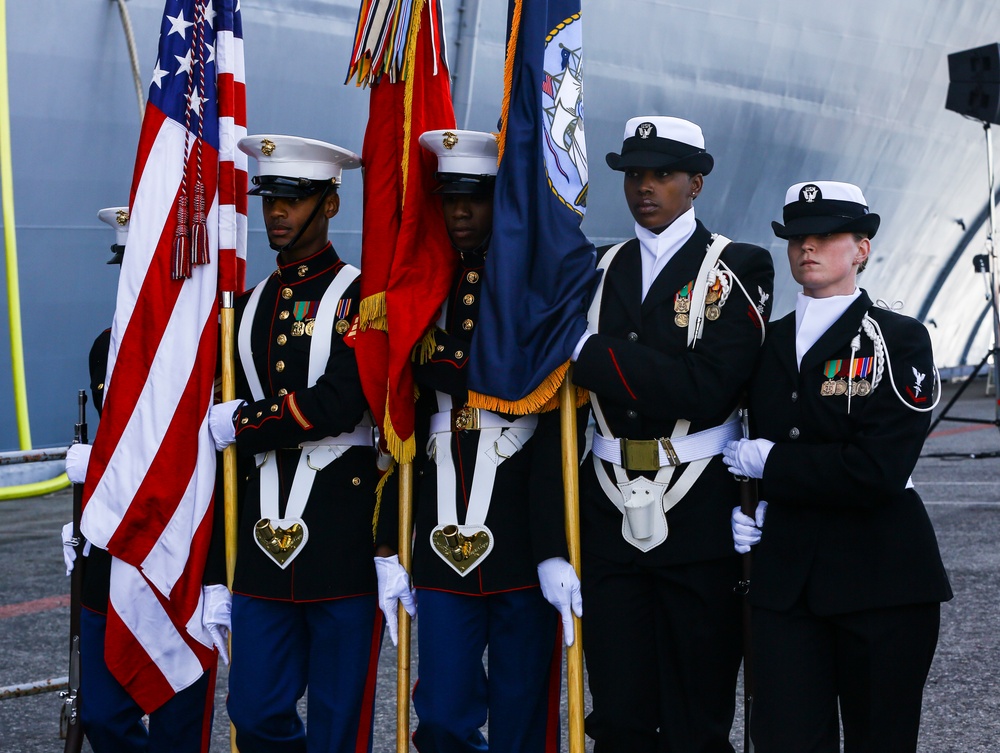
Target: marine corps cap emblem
{"x": 267, "y": 147}
{"x": 449, "y": 140}
{"x": 121, "y": 217}
{"x": 645, "y": 130}
{"x": 810, "y": 193}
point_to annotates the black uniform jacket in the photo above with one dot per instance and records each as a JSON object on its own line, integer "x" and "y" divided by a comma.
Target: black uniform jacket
{"x": 646, "y": 378}
{"x": 842, "y": 530}
{"x": 526, "y": 509}
{"x": 337, "y": 558}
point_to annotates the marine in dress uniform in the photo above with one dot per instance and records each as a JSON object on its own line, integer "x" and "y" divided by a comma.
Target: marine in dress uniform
{"x": 112, "y": 720}
{"x": 488, "y": 517}
{"x": 847, "y": 580}
{"x": 304, "y": 609}
{"x": 673, "y": 335}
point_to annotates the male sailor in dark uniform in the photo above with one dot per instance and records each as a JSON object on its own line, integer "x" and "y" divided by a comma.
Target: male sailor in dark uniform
{"x": 674, "y": 332}
{"x": 112, "y": 720}
{"x": 489, "y": 518}
{"x": 304, "y": 610}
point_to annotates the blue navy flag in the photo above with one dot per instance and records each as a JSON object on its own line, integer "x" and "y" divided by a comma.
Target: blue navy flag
{"x": 540, "y": 269}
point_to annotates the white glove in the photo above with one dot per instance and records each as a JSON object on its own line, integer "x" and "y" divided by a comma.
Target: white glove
{"x": 221, "y": 424}
{"x": 77, "y": 460}
{"x": 746, "y": 457}
{"x": 69, "y": 550}
{"x": 394, "y": 589}
{"x": 216, "y": 616}
{"x": 746, "y": 530}
{"x": 561, "y": 589}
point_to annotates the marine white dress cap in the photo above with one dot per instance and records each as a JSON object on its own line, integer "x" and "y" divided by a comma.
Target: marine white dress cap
{"x": 298, "y": 157}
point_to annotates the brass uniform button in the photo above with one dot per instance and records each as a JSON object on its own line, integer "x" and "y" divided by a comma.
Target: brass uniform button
{"x": 100, "y": 386}
{"x": 472, "y": 277}
{"x": 303, "y": 270}
{"x": 284, "y": 315}
{"x": 356, "y": 481}
{"x": 439, "y": 349}
{"x": 793, "y": 433}
{"x": 469, "y": 299}
{"x": 279, "y": 366}
{"x": 459, "y": 354}
{"x": 282, "y": 339}
{"x": 286, "y": 293}
{"x": 245, "y": 421}
{"x": 274, "y": 408}
{"x": 259, "y": 414}
{"x": 468, "y": 324}
{"x": 282, "y": 392}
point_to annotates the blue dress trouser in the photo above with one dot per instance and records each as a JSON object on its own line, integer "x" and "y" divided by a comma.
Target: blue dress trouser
{"x": 279, "y": 649}
{"x": 112, "y": 721}
{"x": 519, "y": 693}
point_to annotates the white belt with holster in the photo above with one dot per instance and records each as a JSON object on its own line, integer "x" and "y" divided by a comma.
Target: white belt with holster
{"x": 644, "y": 502}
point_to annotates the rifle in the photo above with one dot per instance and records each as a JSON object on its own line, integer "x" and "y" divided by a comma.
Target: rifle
{"x": 748, "y": 506}
{"x": 70, "y": 725}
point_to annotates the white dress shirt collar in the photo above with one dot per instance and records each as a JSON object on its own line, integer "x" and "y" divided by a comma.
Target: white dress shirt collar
{"x": 814, "y": 316}
{"x": 657, "y": 250}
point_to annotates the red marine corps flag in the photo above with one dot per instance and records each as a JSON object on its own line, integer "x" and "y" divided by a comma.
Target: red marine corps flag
{"x": 151, "y": 479}
{"x": 406, "y": 257}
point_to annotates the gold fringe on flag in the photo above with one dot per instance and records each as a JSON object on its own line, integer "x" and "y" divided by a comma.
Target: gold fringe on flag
{"x": 424, "y": 349}
{"x": 403, "y": 450}
{"x": 371, "y": 313}
{"x": 544, "y": 398}
{"x": 508, "y": 78}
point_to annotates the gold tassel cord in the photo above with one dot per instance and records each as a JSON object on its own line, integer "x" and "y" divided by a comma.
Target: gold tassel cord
{"x": 378, "y": 498}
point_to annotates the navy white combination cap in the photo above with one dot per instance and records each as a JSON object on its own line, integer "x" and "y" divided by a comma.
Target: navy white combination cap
{"x": 820, "y": 207}
{"x": 467, "y": 160}
{"x": 117, "y": 218}
{"x": 295, "y": 167}
{"x": 662, "y": 143}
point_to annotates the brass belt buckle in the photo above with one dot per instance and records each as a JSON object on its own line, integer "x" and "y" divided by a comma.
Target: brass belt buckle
{"x": 640, "y": 454}
{"x": 465, "y": 419}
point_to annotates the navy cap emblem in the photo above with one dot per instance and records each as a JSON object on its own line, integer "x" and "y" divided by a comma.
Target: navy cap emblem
{"x": 810, "y": 193}
{"x": 645, "y": 130}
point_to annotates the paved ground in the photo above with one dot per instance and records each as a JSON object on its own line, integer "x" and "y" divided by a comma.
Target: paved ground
{"x": 959, "y": 477}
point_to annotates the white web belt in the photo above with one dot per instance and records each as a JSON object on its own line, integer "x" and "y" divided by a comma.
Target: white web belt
{"x": 653, "y": 454}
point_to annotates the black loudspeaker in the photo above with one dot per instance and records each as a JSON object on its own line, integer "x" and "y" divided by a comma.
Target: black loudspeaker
{"x": 974, "y": 87}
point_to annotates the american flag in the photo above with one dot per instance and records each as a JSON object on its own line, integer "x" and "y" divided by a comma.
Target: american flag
{"x": 149, "y": 490}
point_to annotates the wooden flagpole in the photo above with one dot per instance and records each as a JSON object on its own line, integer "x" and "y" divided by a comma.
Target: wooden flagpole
{"x": 227, "y": 315}
{"x": 571, "y": 498}
{"x": 403, "y": 659}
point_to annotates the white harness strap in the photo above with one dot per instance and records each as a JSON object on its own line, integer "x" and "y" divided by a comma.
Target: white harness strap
{"x": 623, "y": 489}
{"x": 317, "y": 454}
{"x": 696, "y": 322}
{"x": 499, "y": 440}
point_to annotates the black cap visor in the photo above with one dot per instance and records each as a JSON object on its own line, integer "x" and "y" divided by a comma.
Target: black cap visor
{"x": 462, "y": 183}
{"x": 279, "y": 186}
